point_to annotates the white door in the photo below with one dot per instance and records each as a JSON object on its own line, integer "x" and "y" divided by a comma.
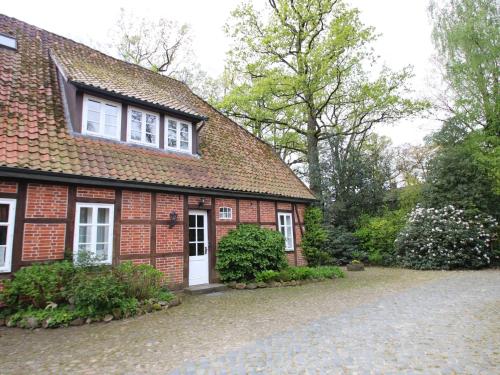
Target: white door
{"x": 198, "y": 247}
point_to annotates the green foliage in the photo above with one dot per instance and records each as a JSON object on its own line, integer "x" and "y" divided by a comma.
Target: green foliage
{"x": 314, "y": 238}
{"x": 467, "y": 36}
{"x": 60, "y": 292}
{"x": 300, "y": 273}
{"x": 55, "y": 317}
{"x": 446, "y": 238}
{"x": 341, "y": 245}
{"x": 377, "y": 236}
{"x": 38, "y": 284}
{"x": 466, "y": 175}
{"x": 247, "y": 250}
{"x": 300, "y": 77}
{"x": 96, "y": 292}
{"x": 141, "y": 281}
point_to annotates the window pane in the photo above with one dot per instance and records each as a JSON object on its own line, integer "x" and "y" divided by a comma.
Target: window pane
{"x": 92, "y": 126}
{"x": 288, "y": 220}
{"x": 192, "y": 221}
{"x": 110, "y": 130}
{"x": 85, "y": 215}
{"x": 93, "y": 115}
{"x": 84, "y": 234}
{"x": 192, "y": 235}
{"x": 135, "y": 133}
{"x": 172, "y": 133}
{"x": 102, "y": 233}
{"x": 201, "y": 249}
{"x": 3, "y": 235}
{"x": 184, "y": 132}
{"x": 101, "y": 251}
{"x": 84, "y": 248}
{"x": 192, "y": 249}
{"x": 200, "y": 234}
{"x": 199, "y": 221}
{"x": 4, "y": 213}
{"x": 184, "y": 145}
{"x": 3, "y": 252}
{"x": 94, "y": 106}
{"x": 282, "y": 220}
{"x": 103, "y": 215}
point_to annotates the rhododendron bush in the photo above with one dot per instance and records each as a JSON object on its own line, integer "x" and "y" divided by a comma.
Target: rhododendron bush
{"x": 446, "y": 238}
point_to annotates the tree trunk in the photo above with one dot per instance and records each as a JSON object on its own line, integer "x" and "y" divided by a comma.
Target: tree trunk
{"x": 313, "y": 157}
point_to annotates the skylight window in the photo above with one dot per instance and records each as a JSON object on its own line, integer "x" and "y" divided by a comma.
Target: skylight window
{"x": 8, "y": 41}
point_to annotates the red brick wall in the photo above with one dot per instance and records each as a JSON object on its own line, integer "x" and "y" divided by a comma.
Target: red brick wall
{"x": 46, "y": 240}
{"x": 136, "y": 205}
{"x": 8, "y": 187}
{"x": 169, "y": 240}
{"x": 284, "y": 206}
{"x": 46, "y": 201}
{"x": 135, "y": 239}
{"x": 248, "y": 211}
{"x": 194, "y": 200}
{"x": 267, "y": 212}
{"x": 94, "y": 193}
{"x": 219, "y": 202}
{"x": 43, "y": 241}
{"x": 172, "y": 267}
{"x": 166, "y": 203}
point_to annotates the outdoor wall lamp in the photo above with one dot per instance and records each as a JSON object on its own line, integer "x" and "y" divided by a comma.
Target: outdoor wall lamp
{"x": 173, "y": 219}
{"x": 201, "y": 203}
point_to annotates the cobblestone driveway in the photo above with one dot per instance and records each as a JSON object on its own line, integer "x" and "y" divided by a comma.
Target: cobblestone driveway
{"x": 378, "y": 321}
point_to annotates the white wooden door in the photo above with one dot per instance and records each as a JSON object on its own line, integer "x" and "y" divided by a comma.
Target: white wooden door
{"x": 198, "y": 247}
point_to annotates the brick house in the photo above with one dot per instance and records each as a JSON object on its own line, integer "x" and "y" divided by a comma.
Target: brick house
{"x": 103, "y": 156}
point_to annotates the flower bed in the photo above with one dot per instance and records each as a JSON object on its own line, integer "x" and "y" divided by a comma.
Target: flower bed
{"x": 60, "y": 294}
{"x": 291, "y": 276}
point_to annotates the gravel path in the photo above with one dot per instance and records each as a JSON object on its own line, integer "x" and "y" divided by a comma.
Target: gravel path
{"x": 377, "y": 321}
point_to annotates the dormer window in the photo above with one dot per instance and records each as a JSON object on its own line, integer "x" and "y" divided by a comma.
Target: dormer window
{"x": 143, "y": 127}
{"x": 101, "y": 118}
{"x": 178, "y": 135}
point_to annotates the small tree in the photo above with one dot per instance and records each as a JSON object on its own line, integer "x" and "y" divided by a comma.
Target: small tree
{"x": 314, "y": 238}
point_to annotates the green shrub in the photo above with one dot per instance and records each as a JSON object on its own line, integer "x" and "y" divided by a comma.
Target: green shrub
{"x": 377, "y": 236}
{"x": 96, "y": 292}
{"x": 300, "y": 273}
{"x": 247, "y": 250}
{"x": 446, "y": 238}
{"x": 314, "y": 238}
{"x": 38, "y": 284}
{"x": 341, "y": 244}
{"x": 266, "y": 276}
{"x": 55, "y": 317}
{"x": 141, "y": 281}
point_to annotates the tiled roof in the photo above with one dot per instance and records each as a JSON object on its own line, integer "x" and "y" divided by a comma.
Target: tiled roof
{"x": 34, "y": 133}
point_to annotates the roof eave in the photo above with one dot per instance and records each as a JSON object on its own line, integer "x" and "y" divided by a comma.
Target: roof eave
{"x": 36, "y": 175}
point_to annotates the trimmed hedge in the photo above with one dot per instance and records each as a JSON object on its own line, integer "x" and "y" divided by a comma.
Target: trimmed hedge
{"x": 248, "y": 250}
{"x": 300, "y": 273}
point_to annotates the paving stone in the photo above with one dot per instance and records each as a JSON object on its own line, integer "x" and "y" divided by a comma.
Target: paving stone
{"x": 388, "y": 321}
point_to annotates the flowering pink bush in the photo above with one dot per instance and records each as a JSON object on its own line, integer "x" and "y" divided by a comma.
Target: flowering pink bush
{"x": 446, "y": 238}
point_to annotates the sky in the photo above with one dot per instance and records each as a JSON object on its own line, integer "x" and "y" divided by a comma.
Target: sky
{"x": 403, "y": 24}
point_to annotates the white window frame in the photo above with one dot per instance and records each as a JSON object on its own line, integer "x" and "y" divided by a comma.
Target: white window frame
{"x": 225, "y": 213}
{"x": 178, "y": 143}
{"x": 93, "y": 231}
{"x": 282, "y": 229}
{"x": 86, "y": 98}
{"x": 7, "y": 267}
{"x": 143, "y": 127}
